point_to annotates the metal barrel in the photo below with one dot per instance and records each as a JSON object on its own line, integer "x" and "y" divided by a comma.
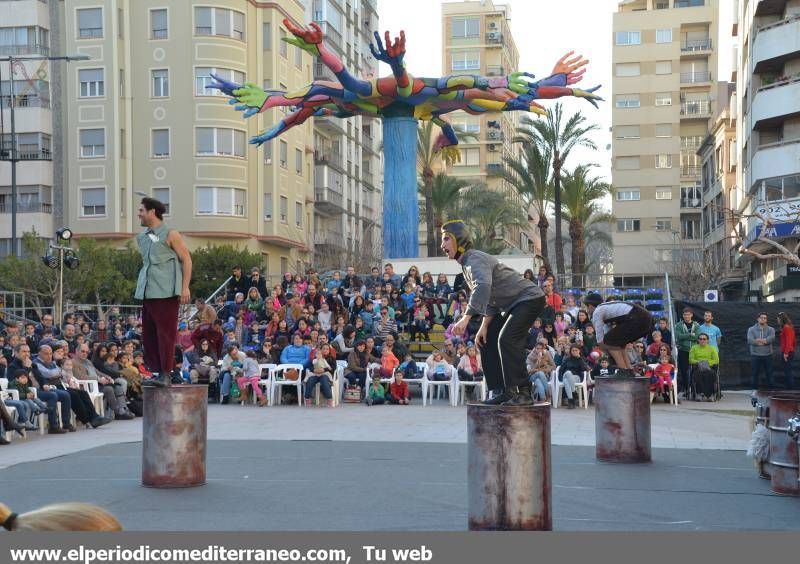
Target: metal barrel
{"x": 760, "y": 401}
{"x": 174, "y": 436}
{"x": 509, "y": 478}
{"x": 794, "y": 434}
{"x": 622, "y": 419}
{"x": 783, "y": 454}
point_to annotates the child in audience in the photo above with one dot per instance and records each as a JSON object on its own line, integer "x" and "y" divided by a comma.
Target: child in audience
{"x": 469, "y": 367}
{"x": 438, "y": 369}
{"x": 560, "y": 325}
{"x": 322, "y": 374}
{"x": 376, "y": 395}
{"x": 21, "y": 383}
{"x": 389, "y": 363}
{"x": 408, "y": 367}
{"x": 398, "y": 390}
{"x": 661, "y": 377}
{"x": 138, "y": 362}
{"x": 654, "y": 347}
{"x": 251, "y": 374}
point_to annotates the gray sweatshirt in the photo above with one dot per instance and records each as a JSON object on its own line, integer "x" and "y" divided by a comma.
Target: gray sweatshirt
{"x": 494, "y": 286}
{"x": 757, "y": 332}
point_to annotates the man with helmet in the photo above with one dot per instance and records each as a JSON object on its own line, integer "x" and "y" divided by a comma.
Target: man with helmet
{"x": 509, "y": 304}
{"x": 616, "y": 324}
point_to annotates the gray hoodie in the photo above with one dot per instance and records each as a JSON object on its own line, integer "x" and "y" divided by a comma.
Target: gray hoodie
{"x": 757, "y": 332}
{"x": 494, "y": 286}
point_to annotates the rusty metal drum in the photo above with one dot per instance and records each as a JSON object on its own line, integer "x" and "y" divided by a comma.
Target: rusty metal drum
{"x": 508, "y": 475}
{"x": 760, "y": 401}
{"x": 783, "y": 448}
{"x": 174, "y": 436}
{"x": 622, "y": 419}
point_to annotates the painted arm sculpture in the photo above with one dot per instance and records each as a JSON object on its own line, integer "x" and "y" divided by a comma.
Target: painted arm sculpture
{"x": 422, "y": 98}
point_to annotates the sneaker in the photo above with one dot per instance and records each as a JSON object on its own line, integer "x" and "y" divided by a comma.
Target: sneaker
{"x": 498, "y": 399}
{"x": 571, "y": 403}
{"x": 519, "y": 399}
{"x": 99, "y": 421}
{"x": 29, "y": 426}
{"x": 154, "y": 382}
{"x": 124, "y": 415}
{"x": 225, "y": 400}
{"x": 56, "y": 431}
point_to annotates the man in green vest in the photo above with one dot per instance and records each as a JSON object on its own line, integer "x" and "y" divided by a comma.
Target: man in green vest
{"x": 163, "y": 285}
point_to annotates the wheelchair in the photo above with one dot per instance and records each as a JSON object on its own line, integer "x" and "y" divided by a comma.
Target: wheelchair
{"x": 693, "y": 393}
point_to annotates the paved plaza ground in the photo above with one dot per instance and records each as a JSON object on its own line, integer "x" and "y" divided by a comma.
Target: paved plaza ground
{"x": 403, "y": 468}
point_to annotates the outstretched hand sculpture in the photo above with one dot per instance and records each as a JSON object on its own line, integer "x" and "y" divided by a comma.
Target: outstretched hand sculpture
{"x": 401, "y": 94}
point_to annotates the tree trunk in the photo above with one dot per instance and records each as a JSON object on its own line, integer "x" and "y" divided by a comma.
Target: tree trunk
{"x": 557, "y": 202}
{"x": 430, "y": 240}
{"x": 576, "y": 233}
{"x": 543, "y": 226}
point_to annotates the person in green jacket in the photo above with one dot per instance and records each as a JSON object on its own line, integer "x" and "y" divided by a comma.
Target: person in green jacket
{"x": 703, "y": 358}
{"x": 376, "y": 394}
{"x": 686, "y": 332}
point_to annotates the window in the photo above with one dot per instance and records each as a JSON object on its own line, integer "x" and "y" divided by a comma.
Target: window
{"x": 159, "y": 27}
{"x": 298, "y": 161}
{"x": 663, "y": 130}
{"x": 92, "y": 83}
{"x": 220, "y": 141}
{"x": 466, "y": 60}
{"x": 284, "y": 264}
{"x": 628, "y": 69}
{"x": 120, "y": 23}
{"x": 663, "y": 161}
{"x": 629, "y": 37}
{"x": 284, "y": 209}
{"x": 284, "y": 153}
{"x": 664, "y": 35}
{"x": 160, "y": 83}
{"x": 282, "y": 45}
{"x": 663, "y": 98}
{"x": 122, "y": 143}
{"x": 627, "y": 225}
{"x": 690, "y": 229}
{"x": 469, "y": 157}
{"x": 268, "y": 206}
{"x": 663, "y": 193}
{"x": 627, "y": 132}
{"x": 267, "y": 152}
{"x": 202, "y": 78}
{"x": 627, "y": 163}
{"x": 90, "y": 23}
{"x": 121, "y": 83}
{"x": 628, "y": 195}
{"x": 24, "y": 41}
{"x": 663, "y": 224}
{"x": 214, "y": 200}
{"x": 93, "y": 143}
{"x": 93, "y": 202}
{"x": 160, "y": 143}
{"x": 267, "y": 36}
{"x": 218, "y": 21}
{"x": 298, "y": 57}
{"x": 162, "y": 195}
{"x": 663, "y": 67}
{"x": 628, "y": 101}
{"x": 466, "y": 27}
{"x": 298, "y": 214}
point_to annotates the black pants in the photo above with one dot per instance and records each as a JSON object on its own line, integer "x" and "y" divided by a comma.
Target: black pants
{"x": 683, "y": 370}
{"x": 82, "y": 405}
{"x": 503, "y": 355}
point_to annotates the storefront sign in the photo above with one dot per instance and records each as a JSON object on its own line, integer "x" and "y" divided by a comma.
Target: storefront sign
{"x": 785, "y": 210}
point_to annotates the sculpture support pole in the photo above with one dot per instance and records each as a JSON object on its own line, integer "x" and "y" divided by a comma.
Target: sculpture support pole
{"x": 400, "y": 206}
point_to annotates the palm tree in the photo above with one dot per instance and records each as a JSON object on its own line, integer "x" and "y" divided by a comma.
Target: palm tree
{"x": 530, "y": 177}
{"x": 582, "y": 211}
{"x": 560, "y": 138}
{"x": 442, "y": 200}
{"x": 489, "y": 214}
{"x": 428, "y": 155}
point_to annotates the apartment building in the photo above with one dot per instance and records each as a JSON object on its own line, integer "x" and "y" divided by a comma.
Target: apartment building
{"x": 141, "y": 120}
{"x": 348, "y": 168}
{"x": 719, "y": 158}
{"x": 768, "y": 130}
{"x": 29, "y": 28}
{"x": 664, "y": 92}
{"x": 477, "y": 39}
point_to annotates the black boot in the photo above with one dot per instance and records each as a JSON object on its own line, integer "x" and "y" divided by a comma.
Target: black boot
{"x": 99, "y": 421}
{"x": 157, "y": 381}
{"x": 520, "y": 397}
{"x": 498, "y": 397}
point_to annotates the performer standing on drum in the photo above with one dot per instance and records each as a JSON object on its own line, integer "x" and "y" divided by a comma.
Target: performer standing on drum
{"x": 509, "y": 304}
{"x": 163, "y": 285}
{"x": 616, "y": 324}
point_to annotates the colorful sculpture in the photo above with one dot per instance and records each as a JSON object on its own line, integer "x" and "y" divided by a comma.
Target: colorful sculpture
{"x": 401, "y": 100}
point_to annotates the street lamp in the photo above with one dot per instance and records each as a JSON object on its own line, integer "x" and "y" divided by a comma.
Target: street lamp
{"x": 14, "y": 158}
{"x": 66, "y": 256}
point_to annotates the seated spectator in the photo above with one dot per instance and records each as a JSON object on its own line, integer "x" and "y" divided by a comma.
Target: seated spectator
{"x": 232, "y": 367}
{"x": 572, "y": 369}
{"x": 389, "y": 363}
{"x": 386, "y": 325}
{"x": 373, "y": 281}
{"x": 399, "y": 393}
{"x": 237, "y": 283}
{"x": 203, "y": 364}
{"x": 297, "y": 352}
{"x": 408, "y": 367}
{"x": 376, "y": 395}
{"x": 134, "y": 378}
{"x": 420, "y": 323}
{"x": 427, "y": 287}
{"x": 654, "y": 348}
{"x": 258, "y": 282}
{"x": 412, "y": 277}
{"x": 33, "y": 406}
{"x": 703, "y": 359}
{"x": 85, "y": 369}
{"x": 357, "y": 363}
{"x": 562, "y": 350}
{"x": 322, "y": 374}
{"x": 138, "y": 362}
{"x": 250, "y": 375}
{"x": 268, "y": 353}
{"x": 549, "y": 333}
{"x": 438, "y": 368}
{"x": 61, "y": 367}
{"x": 663, "y": 328}
{"x": 367, "y": 315}
{"x": 469, "y": 366}
{"x": 408, "y": 296}
{"x": 254, "y": 304}
{"x": 278, "y": 298}
{"x": 540, "y": 365}
{"x": 661, "y": 378}
{"x": 184, "y": 336}
{"x": 560, "y": 325}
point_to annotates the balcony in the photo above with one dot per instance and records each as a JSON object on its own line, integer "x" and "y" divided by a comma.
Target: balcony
{"x": 494, "y": 70}
{"x": 329, "y": 158}
{"x": 691, "y": 203}
{"x": 695, "y": 77}
{"x": 332, "y": 239}
{"x": 770, "y": 7}
{"x": 775, "y": 160}
{"x": 329, "y": 124}
{"x": 690, "y": 171}
{"x": 776, "y": 102}
{"x": 32, "y": 49}
{"x": 322, "y": 72}
{"x": 27, "y": 153}
{"x": 698, "y": 109}
{"x": 696, "y": 47}
{"x": 28, "y": 207}
{"x": 367, "y": 210}
{"x": 332, "y": 35}
{"x": 25, "y": 101}
{"x": 328, "y": 201}
{"x": 368, "y": 179}
{"x": 775, "y": 43}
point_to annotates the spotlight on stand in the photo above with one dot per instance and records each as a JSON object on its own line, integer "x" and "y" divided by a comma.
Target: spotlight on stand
{"x": 65, "y": 233}
{"x": 50, "y": 261}
{"x": 71, "y": 260}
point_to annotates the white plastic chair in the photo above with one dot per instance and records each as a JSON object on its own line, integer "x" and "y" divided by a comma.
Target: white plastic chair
{"x": 581, "y": 388}
{"x": 336, "y": 386}
{"x": 266, "y": 383}
{"x": 431, "y": 385}
{"x": 341, "y": 366}
{"x": 12, "y": 411}
{"x": 92, "y": 388}
{"x": 421, "y": 379}
{"x": 278, "y": 382}
{"x": 462, "y": 385}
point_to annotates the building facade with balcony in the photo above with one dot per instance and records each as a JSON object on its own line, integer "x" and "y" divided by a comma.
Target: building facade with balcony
{"x": 29, "y": 28}
{"x": 664, "y": 94}
{"x": 768, "y": 129}
{"x": 348, "y": 167}
{"x": 477, "y": 39}
{"x": 141, "y": 120}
